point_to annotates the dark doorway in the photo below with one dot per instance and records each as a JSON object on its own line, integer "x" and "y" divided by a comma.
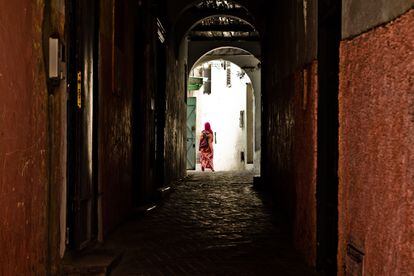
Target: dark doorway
{"x": 149, "y": 108}
{"x": 329, "y": 36}
{"x": 82, "y": 22}
{"x": 139, "y": 117}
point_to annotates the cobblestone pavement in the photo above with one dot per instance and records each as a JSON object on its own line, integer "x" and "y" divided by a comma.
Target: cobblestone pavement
{"x": 212, "y": 224}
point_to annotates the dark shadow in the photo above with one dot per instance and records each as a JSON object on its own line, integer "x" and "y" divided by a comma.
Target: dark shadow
{"x": 329, "y": 36}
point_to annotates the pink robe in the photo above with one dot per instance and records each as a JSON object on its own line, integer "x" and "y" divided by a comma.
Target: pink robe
{"x": 206, "y": 154}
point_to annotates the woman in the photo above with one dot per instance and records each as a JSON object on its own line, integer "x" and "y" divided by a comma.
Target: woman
{"x": 206, "y": 148}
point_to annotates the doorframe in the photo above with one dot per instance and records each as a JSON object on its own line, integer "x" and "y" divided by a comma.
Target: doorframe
{"x": 160, "y": 82}
{"x": 96, "y": 226}
{"x": 73, "y": 166}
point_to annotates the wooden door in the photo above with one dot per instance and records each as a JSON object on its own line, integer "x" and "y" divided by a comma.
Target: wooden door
{"x": 82, "y": 63}
{"x": 160, "y": 103}
{"x": 191, "y": 133}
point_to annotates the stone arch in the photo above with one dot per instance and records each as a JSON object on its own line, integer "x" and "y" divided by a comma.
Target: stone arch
{"x": 199, "y": 50}
{"x": 250, "y": 63}
{"x": 190, "y": 16}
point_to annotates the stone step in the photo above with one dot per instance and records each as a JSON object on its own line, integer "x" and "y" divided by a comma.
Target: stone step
{"x": 96, "y": 262}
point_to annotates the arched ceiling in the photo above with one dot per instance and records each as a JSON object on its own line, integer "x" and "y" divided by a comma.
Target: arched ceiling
{"x": 177, "y": 8}
{"x": 223, "y": 28}
{"x": 215, "y": 20}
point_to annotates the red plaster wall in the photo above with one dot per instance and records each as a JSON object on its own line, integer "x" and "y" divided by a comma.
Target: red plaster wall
{"x": 291, "y": 151}
{"x": 289, "y": 127}
{"x": 376, "y": 146}
{"x": 23, "y": 140}
{"x": 305, "y": 161}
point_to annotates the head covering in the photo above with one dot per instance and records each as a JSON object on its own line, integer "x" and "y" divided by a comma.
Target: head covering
{"x": 207, "y": 127}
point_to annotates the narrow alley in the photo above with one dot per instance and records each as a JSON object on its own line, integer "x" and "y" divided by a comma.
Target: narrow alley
{"x": 212, "y": 224}
{"x": 274, "y": 137}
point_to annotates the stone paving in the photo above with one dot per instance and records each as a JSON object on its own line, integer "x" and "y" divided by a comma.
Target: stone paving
{"x": 212, "y": 224}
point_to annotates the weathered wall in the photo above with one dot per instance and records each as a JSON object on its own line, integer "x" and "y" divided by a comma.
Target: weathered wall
{"x": 143, "y": 119}
{"x": 305, "y": 105}
{"x": 376, "y": 199}
{"x": 289, "y": 130}
{"x": 155, "y": 61}
{"x": 23, "y": 140}
{"x": 115, "y": 112}
{"x": 291, "y": 151}
{"x": 176, "y": 116}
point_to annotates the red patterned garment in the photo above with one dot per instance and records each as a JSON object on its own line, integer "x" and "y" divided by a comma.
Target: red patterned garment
{"x": 207, "y": 153}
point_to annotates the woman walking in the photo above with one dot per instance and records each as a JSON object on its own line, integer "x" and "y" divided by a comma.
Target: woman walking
{"x": 206, "y": 148}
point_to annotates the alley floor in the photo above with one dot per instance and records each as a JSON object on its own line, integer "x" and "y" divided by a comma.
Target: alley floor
{"x": 212, "y": 224}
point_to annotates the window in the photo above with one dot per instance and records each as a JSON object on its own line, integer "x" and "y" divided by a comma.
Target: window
{"x": 228, "y": 70}
{"x": 207, "y": 79}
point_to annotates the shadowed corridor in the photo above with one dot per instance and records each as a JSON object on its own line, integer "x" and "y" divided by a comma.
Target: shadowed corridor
{"x": 102, "y": 107}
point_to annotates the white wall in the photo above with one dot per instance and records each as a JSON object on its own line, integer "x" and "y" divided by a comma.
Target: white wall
{"x": 254, "y": 74}
{"x": 222, "y": 109}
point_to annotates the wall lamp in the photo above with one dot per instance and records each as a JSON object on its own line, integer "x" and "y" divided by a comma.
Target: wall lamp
{"x": 56, "y": 58}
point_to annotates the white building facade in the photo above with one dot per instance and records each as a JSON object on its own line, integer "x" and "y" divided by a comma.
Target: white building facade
{"x": 227, "y": 103}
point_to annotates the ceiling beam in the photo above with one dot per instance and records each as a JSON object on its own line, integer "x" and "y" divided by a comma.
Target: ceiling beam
{"x": 232, "y": 39}
{"x": 223, "y": 28}
{"x": 206, "y": 13}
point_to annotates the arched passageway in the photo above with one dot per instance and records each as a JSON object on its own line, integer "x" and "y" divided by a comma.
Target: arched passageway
{"x": 93, "y": 138}
{"x": 225, "y": 97}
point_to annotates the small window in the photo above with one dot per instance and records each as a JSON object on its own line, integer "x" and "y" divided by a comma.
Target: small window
{"x": 241, "y": 119}
{"x": 207, "y": 79}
